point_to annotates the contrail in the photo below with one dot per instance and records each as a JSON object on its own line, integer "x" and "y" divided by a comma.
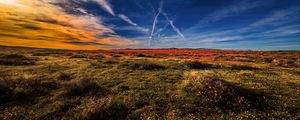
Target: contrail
{"x": 154, "y": 22}
{"x": 162, "y": 29}
{"x": 173, "y": 26}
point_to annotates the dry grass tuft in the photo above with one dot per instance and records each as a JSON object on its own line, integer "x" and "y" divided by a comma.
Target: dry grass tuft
{"x": 83, "y": 87}
{"x": 16, "y": 59}
{"x": 225, "y": 95}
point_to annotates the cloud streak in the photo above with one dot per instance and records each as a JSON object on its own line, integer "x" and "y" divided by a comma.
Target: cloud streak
{"x": 106, "y": 6}
{"x": 126, "y": 19}
{"x": 42, "y": 24}
{"x": 173, "y": 26}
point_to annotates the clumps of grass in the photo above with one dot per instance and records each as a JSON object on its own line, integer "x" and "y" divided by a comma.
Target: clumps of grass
{"x": 97, "y": 56}
{"x": 16, "y": 60}
{"x": 83, "y": 87}
{"x": 140, "y": 55}
{"x": 243, "y": 67}
{"x": 21, "y": 88}
{"x": 146, "y": 55}
{"x": 219, "y": 93}
{"x": 93, "y": 105}
{"x": 63, "y": 76}
{"x": 79, "y": 56}
{"x": 116, "y": 109}
{"x": 142, "y": 65}
{"x": 197, "y": 65}
{"x": 41, "y": 54}
{"x": 111, "y": 61}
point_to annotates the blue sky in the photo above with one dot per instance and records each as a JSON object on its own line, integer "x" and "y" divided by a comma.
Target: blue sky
{"x": 226, "y": 24}
{"x": 237, "y": 24}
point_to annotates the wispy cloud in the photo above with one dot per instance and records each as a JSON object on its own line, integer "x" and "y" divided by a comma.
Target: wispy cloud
{"x": 280, "y": 25}
{"x": 173, "y": 26}
{"x": 126, "y": 19}
{"x": 133, "y": 28}
{"x": 278, "y": 16}
{"x": 106, "y": 6}
{"x": 43, "y": 24}
{"x": 233, "y": 9}
{"x": 109, "y": 8}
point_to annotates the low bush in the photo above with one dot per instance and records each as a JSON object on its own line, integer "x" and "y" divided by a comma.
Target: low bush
{"x": 243, "y": 67}
{"x": 117, "y": 110}
{"x": 79, "y": 56}
{"x": 16, "y": 59}
{"x": 63, "y": 76}
{"x": 84, "y": 87}
{"x": 142, "y": 65}
{"x": 140, "y": 55}
{"x": 21, "y": 88}
{"x": 41, "y": 54}
{"x": 197, "y": 65}
{"x": 224, "y": 95}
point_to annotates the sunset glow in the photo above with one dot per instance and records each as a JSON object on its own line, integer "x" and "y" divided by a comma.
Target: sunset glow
{"x": 104, "y": 24}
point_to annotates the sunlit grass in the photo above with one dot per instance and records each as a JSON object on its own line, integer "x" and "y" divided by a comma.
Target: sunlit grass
{"x": 61, "y": 86}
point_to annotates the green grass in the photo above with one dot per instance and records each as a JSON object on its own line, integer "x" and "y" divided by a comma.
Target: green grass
{"x": 57, "y": 87}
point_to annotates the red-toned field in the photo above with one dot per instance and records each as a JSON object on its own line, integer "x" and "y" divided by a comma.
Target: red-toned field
{"x": 203, "y": 54}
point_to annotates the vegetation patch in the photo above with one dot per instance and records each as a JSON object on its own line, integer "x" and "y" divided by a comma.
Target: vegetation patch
{"x": 225, "y": 95}
{"x": 21, "y": 88}
{"x": 142, "y": 65}
{"x": 16, "y": 59}
{"x": 243, "y": 67}
{"x": 83, "y": 87}
{"x": 63, "y": 76}
{"x": 198, "y": 65}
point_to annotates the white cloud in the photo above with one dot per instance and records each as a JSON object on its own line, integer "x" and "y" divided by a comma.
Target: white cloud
{"x": 134, "y": 28}
{"x": 106, "y": 6}
{"x": 231, "y": 10}
{"x": 126, "y": 19}
{"x": 281, "y": 15}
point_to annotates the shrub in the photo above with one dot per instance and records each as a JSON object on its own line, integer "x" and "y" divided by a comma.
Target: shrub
{"x": 96, "y": 57}
{"x": 268, "y": 60}
{"x": 41, "y": 54}
{"x": 84, "y": 87}
{"x": 197, "y": 65}
{"x": 224, "y": 95}
{"x": 144, "y": 65}
{"x": 15, "y": 60}
{"x": 63, "y": 76}
{"x": 242, "y": 67}
{"x": 112, "y": 61}
{"x": 79, "y": 56}
{"x": 117, "y": 110}
{"x": 140, "y": 55}
{"x": 21, "y": 88}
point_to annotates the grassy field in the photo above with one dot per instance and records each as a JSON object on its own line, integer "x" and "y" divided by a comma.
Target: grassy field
{"x": 145, "y": 84}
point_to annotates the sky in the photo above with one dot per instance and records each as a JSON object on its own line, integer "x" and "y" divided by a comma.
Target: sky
{"x": 107, "y": 24}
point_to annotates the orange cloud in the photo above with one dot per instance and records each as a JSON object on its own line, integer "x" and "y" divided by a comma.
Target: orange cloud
{"x": 43, "y": 25}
